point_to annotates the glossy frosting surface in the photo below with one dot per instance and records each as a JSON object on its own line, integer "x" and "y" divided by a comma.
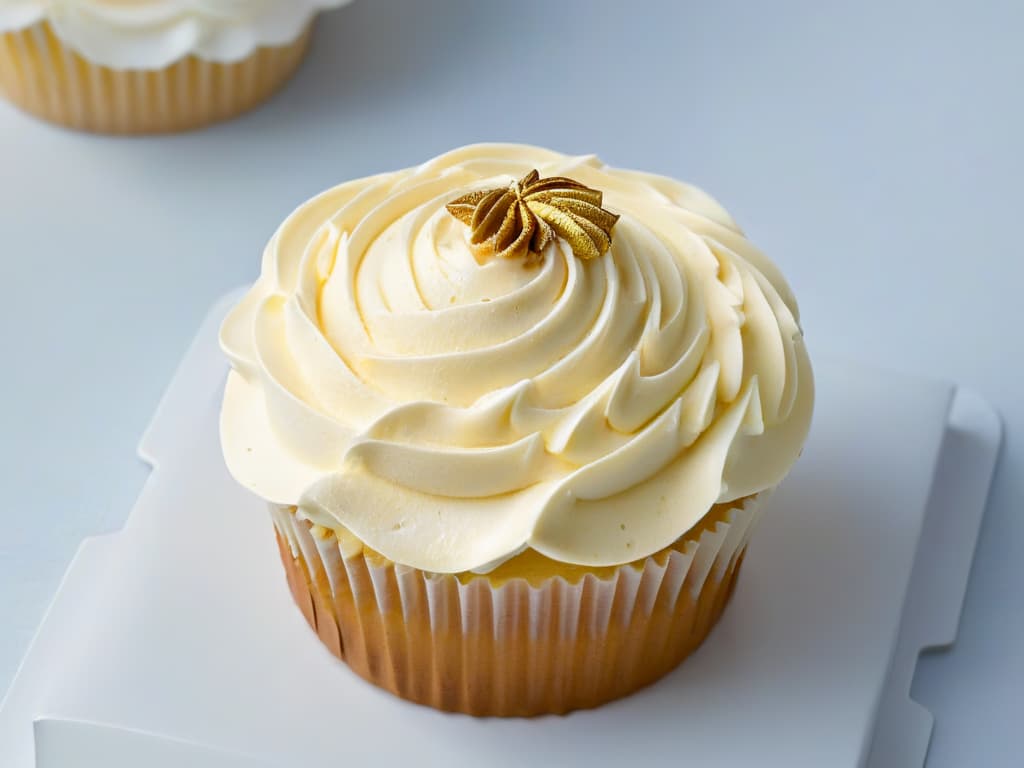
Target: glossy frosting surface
{"x": 451, "y": 411}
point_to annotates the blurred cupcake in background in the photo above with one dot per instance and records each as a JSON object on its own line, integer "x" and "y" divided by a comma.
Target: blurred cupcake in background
{"x": 149, "y": 66}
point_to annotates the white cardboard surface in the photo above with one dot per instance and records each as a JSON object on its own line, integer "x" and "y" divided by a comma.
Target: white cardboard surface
{"x": 151, "y": 635}
{"x": 938, "y": 582}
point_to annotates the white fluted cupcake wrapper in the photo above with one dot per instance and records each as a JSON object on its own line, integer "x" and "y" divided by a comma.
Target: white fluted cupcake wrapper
{"x": 44, "y": 77}
{"x": 469, "y": 644}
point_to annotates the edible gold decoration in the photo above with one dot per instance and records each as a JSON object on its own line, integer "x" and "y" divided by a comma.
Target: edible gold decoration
{"x": 522, "y": 219}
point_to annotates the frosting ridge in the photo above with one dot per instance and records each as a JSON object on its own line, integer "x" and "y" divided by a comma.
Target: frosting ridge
{"x": 450, "y": 413}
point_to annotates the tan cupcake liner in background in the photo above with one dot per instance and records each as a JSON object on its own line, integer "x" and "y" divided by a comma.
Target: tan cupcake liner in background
{"x": 47, "y": 79}
{"x": 512, "y": 647}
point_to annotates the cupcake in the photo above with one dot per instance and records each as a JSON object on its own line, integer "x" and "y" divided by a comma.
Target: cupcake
{"x": 514, "y": 414}
{"x": 149, "y": 66}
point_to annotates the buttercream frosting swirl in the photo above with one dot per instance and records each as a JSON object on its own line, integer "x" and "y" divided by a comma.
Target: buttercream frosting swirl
{"x": 450, "y": 413}
{"x": 151, "y": 34}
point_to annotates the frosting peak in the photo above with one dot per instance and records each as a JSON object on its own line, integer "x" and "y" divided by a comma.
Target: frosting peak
{"x": 450, "y": 413}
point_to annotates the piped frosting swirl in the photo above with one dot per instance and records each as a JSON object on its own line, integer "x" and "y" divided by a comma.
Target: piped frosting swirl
{"x": 449, "y": 412}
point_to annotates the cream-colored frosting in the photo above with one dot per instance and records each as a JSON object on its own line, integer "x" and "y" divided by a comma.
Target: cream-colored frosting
{"x": 450, "y": 413}
{"x": 151, "y": 34}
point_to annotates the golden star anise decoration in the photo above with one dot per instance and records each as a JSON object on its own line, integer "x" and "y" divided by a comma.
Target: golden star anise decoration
{"x": 522, "y": 219}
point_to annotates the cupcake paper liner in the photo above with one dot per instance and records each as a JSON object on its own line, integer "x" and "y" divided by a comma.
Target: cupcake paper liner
{"x": 44, "y": 77}
{"x": 466, "y": 644}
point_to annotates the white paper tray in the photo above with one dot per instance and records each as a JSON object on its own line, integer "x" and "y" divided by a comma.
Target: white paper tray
{"x": 155, "y": 654}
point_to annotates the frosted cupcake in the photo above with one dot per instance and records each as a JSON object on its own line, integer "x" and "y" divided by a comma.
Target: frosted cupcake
{"x": 514, "y": 413}
{"x": 148, "y": 66}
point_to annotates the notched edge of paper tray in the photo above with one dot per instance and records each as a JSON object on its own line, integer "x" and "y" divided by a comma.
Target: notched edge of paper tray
{"x": 942, "y": 565}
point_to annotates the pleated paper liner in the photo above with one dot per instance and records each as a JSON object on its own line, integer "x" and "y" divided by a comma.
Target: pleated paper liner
{"x": 514, "y": 646}
{"x": 42, "y": 76}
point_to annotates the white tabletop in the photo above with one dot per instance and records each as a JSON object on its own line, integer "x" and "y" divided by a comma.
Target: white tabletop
{"x": 873, "y": 149}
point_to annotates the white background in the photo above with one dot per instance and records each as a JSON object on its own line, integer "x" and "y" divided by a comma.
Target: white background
{"x": 873, "y": 149}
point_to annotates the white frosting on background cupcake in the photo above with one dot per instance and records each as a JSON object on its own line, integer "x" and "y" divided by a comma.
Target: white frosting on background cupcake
{"x": 450, "y": 412}
{"x": 151, "y": 34}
